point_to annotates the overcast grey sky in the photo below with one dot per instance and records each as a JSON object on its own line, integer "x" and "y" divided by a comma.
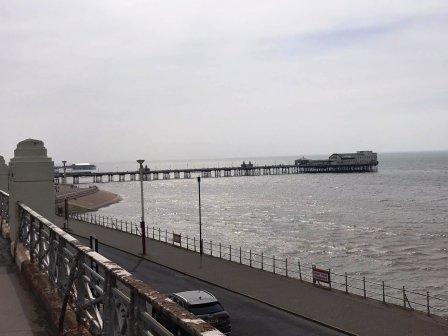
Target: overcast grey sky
{"x": 117, "y": 80}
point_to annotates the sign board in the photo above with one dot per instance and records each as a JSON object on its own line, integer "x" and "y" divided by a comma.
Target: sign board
{"x": 177, "y": 238}
{"x": 321, "y": 275}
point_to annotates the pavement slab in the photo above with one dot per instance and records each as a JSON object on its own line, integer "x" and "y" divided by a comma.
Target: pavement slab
{"x": 20, "y": 315}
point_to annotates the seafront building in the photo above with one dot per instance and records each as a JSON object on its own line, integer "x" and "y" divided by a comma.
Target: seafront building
{"x": 343, "y": 159}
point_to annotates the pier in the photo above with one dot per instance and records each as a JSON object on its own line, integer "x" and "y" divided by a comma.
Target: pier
{"x": 309, "y": 167}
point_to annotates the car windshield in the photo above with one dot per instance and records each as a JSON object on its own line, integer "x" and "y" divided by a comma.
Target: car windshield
{"x": 206, "y": 308}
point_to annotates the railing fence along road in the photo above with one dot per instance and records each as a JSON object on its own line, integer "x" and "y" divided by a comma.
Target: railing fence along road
{"x": 408, "y": 299}
{"x": 107, "y": 299}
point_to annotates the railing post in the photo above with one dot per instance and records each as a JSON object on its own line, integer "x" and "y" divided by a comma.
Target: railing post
{"x": 41, "y": 245}
{"x": 300, "y": 271}
{"x": 81, "y": 289}
{"x": 133, "y": 313}
{"x": 51, "y": 257}
{"x": 109, "y": 305}
{"x": 240, "y": 256}
{"x": 32, "y": 238}
{"x": 273, "y": 264}
{"x": 61, "y": 270}
{"x": 211, "y": 248}
{"x": 404, "y": 298}
{"x": 286, "y": 267}
{"x": 250, "y": 258}
{"x": 427, "y": 304}
{"x": 220, "y": 255}
{"x": 194, "y": 242}
{"x": 346, "y": 283}
{"x": 364, "y": 286}
{"x": 188, "y": 246}
{"x": 262, "y": 261}
{"x": 230, "y": 252}
{"x": 384, "y": 293}
{"x": 153, "y": 232}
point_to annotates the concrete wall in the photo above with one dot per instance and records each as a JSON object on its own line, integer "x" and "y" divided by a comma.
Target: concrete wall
{"x": 31, "y": 181}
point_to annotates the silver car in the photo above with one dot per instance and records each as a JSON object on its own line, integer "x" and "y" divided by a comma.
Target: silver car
{"x": 206, "y": 306}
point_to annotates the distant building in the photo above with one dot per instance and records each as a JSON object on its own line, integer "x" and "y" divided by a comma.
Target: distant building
{"x": 342, "y": 159}
{"x": 360, "y": 157}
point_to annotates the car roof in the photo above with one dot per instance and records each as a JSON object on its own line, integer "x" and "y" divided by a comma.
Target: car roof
{"x": 196, "y": 297}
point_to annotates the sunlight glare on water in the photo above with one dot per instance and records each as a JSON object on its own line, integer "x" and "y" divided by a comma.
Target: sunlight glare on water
{"x": 390, "y": 225}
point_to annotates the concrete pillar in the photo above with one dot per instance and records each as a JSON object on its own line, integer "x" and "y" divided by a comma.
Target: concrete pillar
{"x": 31, "y": 182}
{"x": 4, "y": 171}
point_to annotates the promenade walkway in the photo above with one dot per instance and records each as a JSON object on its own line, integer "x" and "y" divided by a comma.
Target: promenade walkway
{"x": 19, "y": 313}
{"x": 344, "y": 311}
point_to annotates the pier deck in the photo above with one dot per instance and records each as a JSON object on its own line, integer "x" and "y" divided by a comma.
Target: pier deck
{"x": 187, "y": 173}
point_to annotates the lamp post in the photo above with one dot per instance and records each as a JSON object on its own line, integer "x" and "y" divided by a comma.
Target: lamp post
{"x": 142, "y": 222}
{"x": 64, "y": 177}
{"x": 200, "y": 219}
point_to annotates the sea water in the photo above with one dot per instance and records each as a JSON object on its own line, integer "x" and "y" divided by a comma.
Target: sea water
{"x": 387, "y": 226}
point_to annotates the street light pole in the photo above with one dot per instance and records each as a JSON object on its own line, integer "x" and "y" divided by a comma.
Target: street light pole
{"x": 142, "y": 223}
{"x": 200, "y": 219}
{"x": 64, "y": 176}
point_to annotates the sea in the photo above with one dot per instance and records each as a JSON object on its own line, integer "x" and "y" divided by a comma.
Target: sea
{"x": 391, "y": 225}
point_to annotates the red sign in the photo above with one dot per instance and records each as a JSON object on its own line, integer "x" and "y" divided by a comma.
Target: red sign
{"x": 177, "y": 238}
{"x": 321, "y": 275}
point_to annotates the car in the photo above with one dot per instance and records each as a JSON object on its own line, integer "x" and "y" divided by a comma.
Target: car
{"x": 206, "y": 306}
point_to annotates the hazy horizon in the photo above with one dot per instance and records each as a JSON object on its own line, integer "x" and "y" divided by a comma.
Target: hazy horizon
{"x": 311, "y": 155}
{"x": 148, "y": 159}
{"x": 109, "y": 81}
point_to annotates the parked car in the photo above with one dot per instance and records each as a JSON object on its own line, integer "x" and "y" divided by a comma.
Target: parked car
{"x": 206, "y": 306}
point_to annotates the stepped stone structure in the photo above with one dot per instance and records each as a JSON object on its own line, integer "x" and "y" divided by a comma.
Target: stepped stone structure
{"x": 4, "y": 171}
{"x": 31, "y": 181}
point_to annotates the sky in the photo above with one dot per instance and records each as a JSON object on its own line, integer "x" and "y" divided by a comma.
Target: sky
{"x": 119, "y": 80}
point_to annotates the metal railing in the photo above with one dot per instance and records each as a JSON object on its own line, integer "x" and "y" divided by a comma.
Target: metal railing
{"x": 106, "y": 299}
{"x": 4, "y": 206}
{"x": 292, "y": 268}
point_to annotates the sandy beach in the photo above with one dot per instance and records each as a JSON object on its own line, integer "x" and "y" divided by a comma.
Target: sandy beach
{"x": 85, "y": 199}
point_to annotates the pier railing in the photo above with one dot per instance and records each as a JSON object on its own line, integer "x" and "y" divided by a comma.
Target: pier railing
{"x": 107, "y": 299}
{"x": 292, "y": 268}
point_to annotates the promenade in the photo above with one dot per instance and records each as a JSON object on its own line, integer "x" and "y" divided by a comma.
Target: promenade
{"x": 20, "y": 314}
{"x": 333, "y": 308}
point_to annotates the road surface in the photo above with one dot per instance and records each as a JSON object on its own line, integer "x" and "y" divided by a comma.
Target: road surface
{"x": 249, "y": 317}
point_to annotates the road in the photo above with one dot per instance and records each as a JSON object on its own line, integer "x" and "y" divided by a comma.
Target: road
{"x": 249, "y": 317}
